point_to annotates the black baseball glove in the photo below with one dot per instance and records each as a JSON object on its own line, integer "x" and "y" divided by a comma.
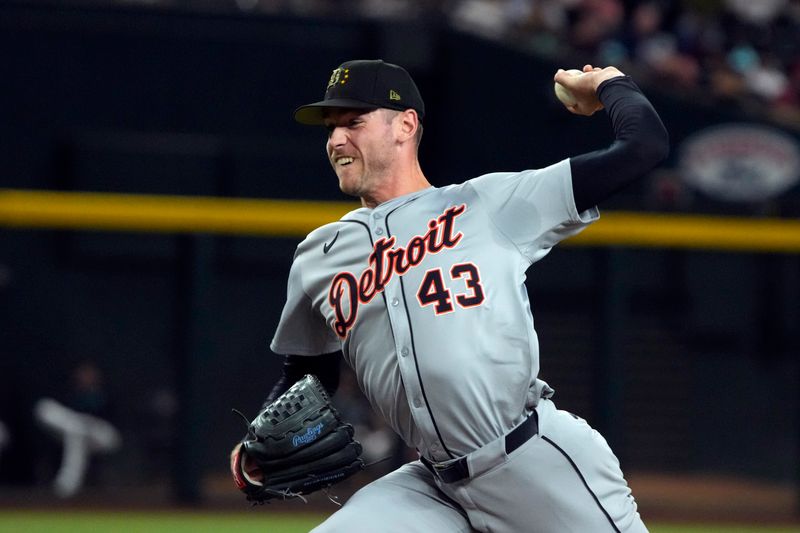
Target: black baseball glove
{"x": 299, "y": 443}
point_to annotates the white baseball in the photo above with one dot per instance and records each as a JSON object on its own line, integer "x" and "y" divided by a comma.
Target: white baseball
{"x": 562, "y": 93}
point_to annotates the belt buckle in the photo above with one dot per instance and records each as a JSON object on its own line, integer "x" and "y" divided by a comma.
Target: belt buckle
{"x": 439, "y": 467}
{"x": 452, "y": 471}
{"x": 449, "y": 472}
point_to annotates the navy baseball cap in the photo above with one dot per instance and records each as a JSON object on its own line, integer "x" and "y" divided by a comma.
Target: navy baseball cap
{"x": 365, "y": 84}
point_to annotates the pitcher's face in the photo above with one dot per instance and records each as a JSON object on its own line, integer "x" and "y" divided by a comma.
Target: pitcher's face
{"x": 361, "y": 148}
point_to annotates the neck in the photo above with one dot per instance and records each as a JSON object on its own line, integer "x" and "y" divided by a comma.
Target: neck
{"x": 405, "y": 183}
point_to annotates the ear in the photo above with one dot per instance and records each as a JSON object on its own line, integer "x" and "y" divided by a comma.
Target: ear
{"x": 407, "y": 124}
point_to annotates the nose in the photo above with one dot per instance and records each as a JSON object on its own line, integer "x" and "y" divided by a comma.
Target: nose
{"x": 337, "y": 138}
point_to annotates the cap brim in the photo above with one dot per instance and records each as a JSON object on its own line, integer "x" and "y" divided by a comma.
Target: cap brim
{"x": 313, "y": 114}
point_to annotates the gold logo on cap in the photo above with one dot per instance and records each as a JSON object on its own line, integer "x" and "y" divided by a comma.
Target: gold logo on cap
{"x": 394, "y": 96}
{"x": 339, "y": 76}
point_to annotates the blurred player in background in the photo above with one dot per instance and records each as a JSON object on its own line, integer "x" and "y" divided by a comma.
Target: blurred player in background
{"x": 80, "y": 426}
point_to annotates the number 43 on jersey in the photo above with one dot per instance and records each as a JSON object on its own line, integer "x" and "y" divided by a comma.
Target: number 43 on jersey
{"x": 433, "y": 290}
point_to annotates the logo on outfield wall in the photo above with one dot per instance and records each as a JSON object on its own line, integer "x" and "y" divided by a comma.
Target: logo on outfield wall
{"x": 740, "y": 162}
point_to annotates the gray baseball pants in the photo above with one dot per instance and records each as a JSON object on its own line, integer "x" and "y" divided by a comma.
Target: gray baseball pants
{"x": 565, "y": 479}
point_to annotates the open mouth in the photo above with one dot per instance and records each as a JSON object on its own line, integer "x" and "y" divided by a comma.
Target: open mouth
{"x": 344, "y": 161}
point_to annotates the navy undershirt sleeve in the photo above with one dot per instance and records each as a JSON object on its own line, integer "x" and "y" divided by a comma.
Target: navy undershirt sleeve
{"x": 325, "y": 367}
{"x": 640, "y": 143}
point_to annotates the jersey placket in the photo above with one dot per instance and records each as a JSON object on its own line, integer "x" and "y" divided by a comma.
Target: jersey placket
{"x": 400, "y": 320}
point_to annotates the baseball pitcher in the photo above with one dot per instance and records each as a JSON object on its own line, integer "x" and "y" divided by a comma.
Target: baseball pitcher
{"x": 421, "y": 291}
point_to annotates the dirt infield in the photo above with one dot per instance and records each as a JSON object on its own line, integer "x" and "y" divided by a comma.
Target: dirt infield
{"x": 715, "y": 498}
{"x": 662, "y": 498}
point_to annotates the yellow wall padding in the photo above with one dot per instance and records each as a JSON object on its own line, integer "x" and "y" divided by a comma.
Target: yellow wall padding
{"x": 295, "y": 218}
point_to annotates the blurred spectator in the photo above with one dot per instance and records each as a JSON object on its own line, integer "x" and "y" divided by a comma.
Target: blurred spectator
{"x": 490, "y": 18}
{"x": 544, "y": 25}
{"x": 761, "y": 12}
{"x": 766, "y": 78}
{"x": 594, "y": 22}
{"x": 656, "y": 48}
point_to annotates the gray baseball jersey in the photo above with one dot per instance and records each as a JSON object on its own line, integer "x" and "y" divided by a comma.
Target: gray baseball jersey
{"x": 425, "y": 296}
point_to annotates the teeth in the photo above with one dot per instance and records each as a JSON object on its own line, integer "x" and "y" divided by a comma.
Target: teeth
{"x": 344, "y": 160}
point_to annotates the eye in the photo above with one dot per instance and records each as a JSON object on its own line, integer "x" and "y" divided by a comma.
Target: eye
{"x": 355, "y": 122}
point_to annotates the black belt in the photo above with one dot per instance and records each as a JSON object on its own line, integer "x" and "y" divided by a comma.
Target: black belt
{"x": 458, "y": 469}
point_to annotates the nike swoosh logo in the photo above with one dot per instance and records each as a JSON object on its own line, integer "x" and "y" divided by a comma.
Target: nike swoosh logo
{"x": 327, "y": 246}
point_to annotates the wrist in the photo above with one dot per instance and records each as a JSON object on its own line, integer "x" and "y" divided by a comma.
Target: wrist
{"x": 603, "y": 81}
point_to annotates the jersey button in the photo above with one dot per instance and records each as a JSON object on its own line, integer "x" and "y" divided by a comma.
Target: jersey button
{"x": 395, "y": 302}
{"x": 379, "y": 231}
{"x": 404, "y": 352}
{"x": 376, "y": 216}
{"x": 417, "y": 401}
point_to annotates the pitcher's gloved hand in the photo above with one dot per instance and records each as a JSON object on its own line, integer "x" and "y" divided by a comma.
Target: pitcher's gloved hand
{"x": 296, "y": 445}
